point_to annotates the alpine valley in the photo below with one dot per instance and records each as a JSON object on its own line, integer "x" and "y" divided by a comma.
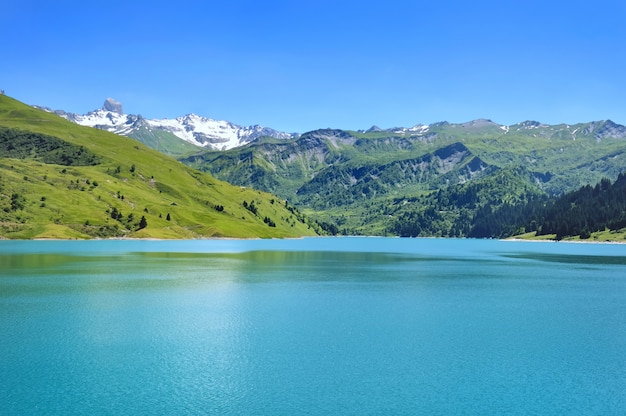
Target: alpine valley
{"x": 474, "y": 179}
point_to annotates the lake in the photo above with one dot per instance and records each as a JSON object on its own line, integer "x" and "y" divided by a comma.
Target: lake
{"x": 317, "y": 326}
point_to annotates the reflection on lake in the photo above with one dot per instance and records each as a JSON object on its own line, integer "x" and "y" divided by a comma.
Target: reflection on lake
{"x": 312, "y": 326}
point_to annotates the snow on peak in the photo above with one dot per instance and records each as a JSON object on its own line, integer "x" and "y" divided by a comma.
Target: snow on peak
{"x": 195, "y": 129}
{"x": 418, "y": 129}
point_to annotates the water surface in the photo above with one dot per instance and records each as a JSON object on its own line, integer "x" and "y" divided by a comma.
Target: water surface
{"x": 318, "y": 326}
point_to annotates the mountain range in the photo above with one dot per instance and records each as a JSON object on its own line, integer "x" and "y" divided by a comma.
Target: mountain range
{"x": 210, "y": 134}
{"x": 441, "y": 179}
{"x": 167, "y": 134}
{"x": 366, "y": 180}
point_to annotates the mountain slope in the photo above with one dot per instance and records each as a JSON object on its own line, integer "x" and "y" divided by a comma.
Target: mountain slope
{"x": 597, "y": 212}
{"x": 345, "y": 184}
{"x": 81, "y": 182}
{"x": 352, "y": 177}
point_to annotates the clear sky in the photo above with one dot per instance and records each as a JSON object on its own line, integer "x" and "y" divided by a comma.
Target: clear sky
{"x": 302, "y": 65}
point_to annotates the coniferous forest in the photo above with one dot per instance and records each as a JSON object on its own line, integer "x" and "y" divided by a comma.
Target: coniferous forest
{"x": 586, "y": 210}
{"x": 473, "y": 211}
{"x": 579, "y": 213}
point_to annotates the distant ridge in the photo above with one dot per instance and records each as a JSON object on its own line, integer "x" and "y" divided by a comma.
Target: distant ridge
{"x": 211, "y": 134}
{"x": 199, "y": 131}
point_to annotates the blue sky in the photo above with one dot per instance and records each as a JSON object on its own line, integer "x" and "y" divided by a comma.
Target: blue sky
{"x": 301, "y": 65}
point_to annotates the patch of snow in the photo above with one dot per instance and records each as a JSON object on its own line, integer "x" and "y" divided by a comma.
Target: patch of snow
{"x": 419, "y": 128}
{"x": 200, "y": 131}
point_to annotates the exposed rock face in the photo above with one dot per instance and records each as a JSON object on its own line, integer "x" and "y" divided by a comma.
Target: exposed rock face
{"x": 605, "y": 129}
{"x": 111, "y": 105}
{"x": 610, "y": 129}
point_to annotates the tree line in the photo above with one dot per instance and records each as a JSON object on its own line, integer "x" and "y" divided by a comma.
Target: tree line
{"x": 504, "y": 209}
{"x": 19, "y": 144}
{"x": 578, "y": 213}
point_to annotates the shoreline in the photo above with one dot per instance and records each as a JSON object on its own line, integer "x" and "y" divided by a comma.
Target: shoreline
{"x": 513, "y": 239}
{"x": 530, "y": 240}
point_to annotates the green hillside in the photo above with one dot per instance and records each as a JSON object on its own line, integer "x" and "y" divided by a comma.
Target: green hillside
{"x": 164, "y": 141}
{"x": 61, "y": 180}
{"x": 369, "y": 182}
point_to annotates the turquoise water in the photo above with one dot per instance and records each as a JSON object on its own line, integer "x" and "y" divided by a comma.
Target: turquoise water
{"x": 343, "y": 326}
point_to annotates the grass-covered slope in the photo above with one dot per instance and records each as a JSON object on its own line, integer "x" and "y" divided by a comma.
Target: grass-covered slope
{"x": 164, "y": 142}
{"x": 562, "y": 157}
{"x": 371, "y": 182}
{"x": 61, "y": 180}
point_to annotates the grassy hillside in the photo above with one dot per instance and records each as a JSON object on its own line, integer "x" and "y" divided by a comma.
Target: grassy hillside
{"x": 80, "y": 182}
{"x": 165, "y": 142}
{"x": 370, "y": 182}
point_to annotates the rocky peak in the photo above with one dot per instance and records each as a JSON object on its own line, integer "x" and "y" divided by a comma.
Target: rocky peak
{"x": 373, "y": 129}
{"x": 610, "y": 129}
{"x": 604, "y": 129}
{"x": 111, "y": 105}
{"x": 481, "y": 122}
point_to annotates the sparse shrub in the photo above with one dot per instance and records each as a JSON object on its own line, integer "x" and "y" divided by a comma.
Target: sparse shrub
{"x": 250, "y": 207}
{"x": 17, "y": 202}
{"x": 116, "y": 214}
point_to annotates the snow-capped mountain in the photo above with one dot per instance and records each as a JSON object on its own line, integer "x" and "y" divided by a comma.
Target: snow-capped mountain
{"x": 216, "y": 134}
{"x": 197, "y": 130}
